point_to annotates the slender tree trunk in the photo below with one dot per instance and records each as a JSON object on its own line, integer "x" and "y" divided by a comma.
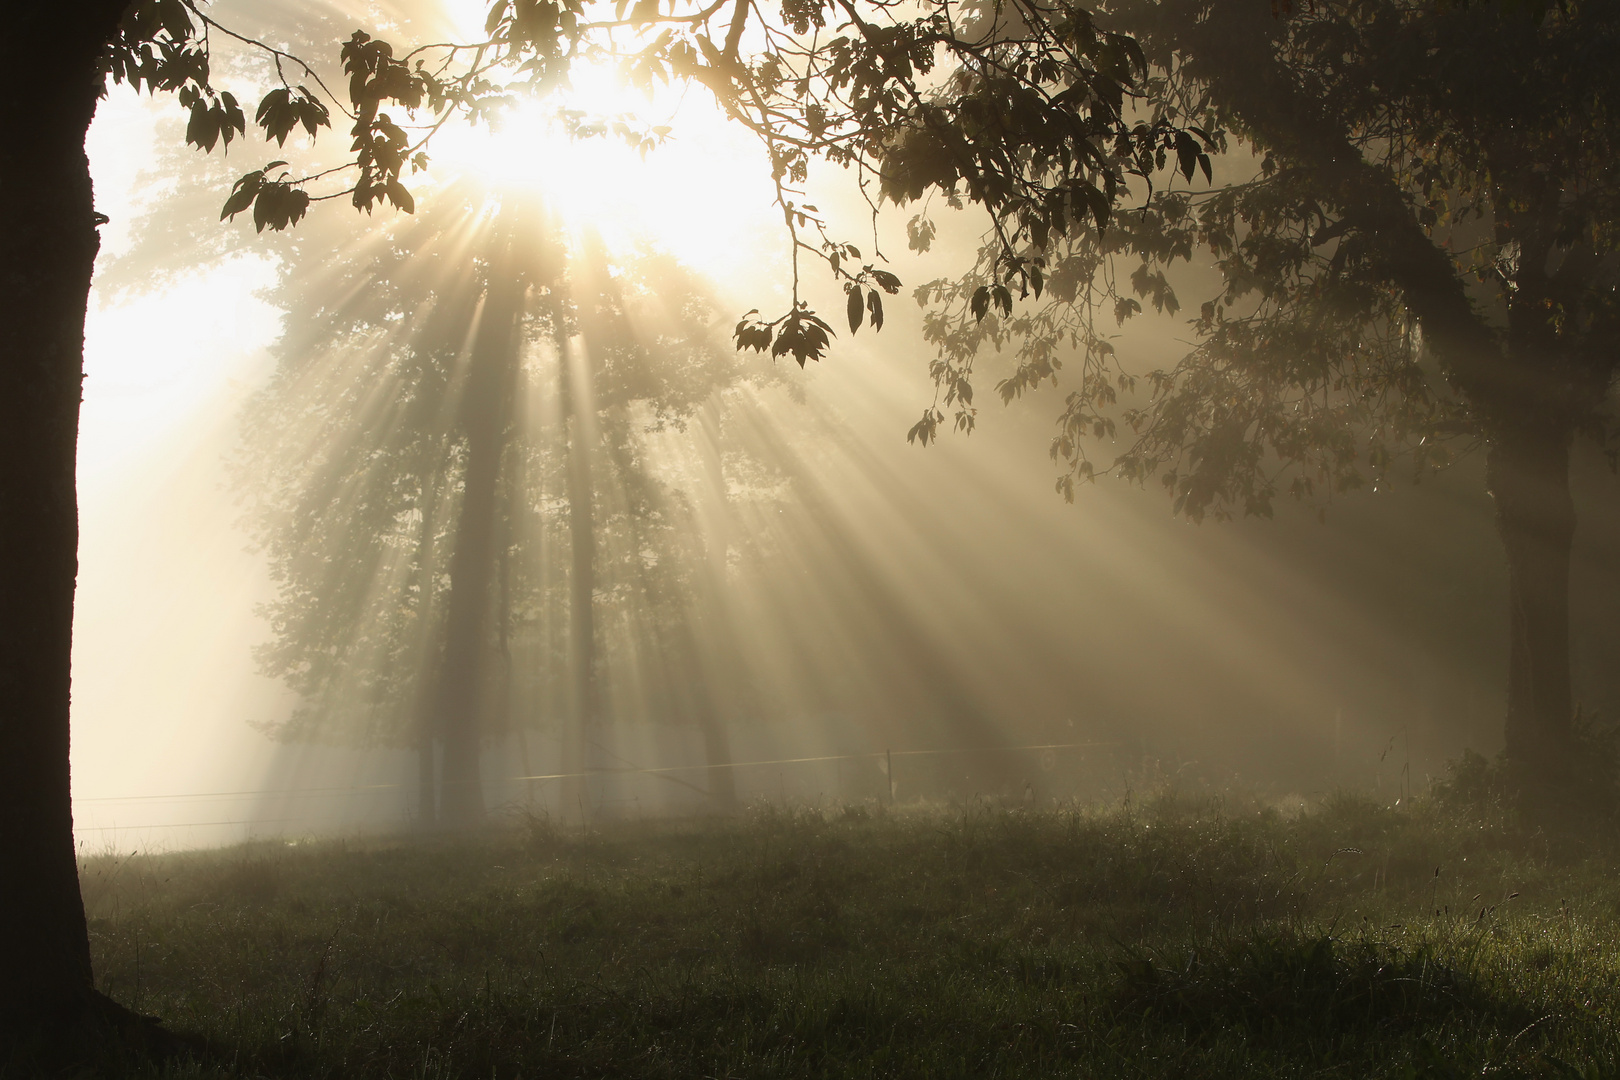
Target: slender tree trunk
{"x": 1528, "y": 472}
{"x": 500, "y": 708}
{"x": 717, "y": 750}
{"x": 486, "y": 410}
{"x": 580, "y": 431}
{"x": 719, "y": 701}
{"x": 48, "y": 246}
{"x": 427, "y": 787}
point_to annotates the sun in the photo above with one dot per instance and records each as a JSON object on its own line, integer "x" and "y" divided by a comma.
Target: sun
{"x": 697, "y": 186}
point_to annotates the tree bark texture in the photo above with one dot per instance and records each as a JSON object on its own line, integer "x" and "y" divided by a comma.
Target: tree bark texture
{"x": 48, "y": 247}
{"x": 1527, "y": 469}
{"x": 486, "y": 413}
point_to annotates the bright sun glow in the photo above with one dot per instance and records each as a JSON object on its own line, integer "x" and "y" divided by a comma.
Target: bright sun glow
{"x": 703, "y": 193}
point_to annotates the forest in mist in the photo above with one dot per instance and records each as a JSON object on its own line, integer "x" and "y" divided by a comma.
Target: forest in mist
{"x": 1050, "y": 531}
{"x": 773, "y": 572}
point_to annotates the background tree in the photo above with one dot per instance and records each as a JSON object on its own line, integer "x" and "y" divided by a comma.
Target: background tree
{"x": 1425, "y": 256}
{"x": 360, "y": 460}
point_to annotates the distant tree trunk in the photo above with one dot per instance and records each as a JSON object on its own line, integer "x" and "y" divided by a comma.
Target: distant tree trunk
{"x": 579, "y": 430}
{"x": 717, "y": 752}
{"x": 1527, "y": 468}
{"x": 48, "y": 247}
{"x": 719, "y": 702}
{"x": 427, "y": 788}
{"x": 486, "y": 410}
{"x": 500, "y": 708}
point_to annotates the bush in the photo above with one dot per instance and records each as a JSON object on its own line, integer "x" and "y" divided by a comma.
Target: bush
{"x": 1581, "y": 786}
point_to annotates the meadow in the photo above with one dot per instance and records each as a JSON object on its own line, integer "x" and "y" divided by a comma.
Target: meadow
{"x": 1171, "y": 936}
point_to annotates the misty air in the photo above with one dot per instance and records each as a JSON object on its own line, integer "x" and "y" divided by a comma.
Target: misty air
{"x": 830, "y": 538}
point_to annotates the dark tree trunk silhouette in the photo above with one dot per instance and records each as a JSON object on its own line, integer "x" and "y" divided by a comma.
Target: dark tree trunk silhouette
{"x": 1521, "y": 392}
{"x": 486, "y": 413}
{"x": 1528, "y": 472}
{"x": 48, "y": 245}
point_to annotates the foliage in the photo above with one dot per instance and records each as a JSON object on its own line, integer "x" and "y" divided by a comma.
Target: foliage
{"x": 1424, "y": 253}
{"x": 942, "y": 942}
{"x": 1495, "y": 788}
{"x": 1019, "y": 112}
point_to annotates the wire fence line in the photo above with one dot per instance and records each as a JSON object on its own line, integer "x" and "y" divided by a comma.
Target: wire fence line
{"x": 877, "y": 755}
{"x": 886, "y": 757}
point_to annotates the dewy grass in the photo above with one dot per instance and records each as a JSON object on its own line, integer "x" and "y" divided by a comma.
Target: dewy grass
{"x": 1175, "y": 938}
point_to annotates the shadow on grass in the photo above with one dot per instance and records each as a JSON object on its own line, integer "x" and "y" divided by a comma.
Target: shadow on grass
{"x": 1273, "y": 982}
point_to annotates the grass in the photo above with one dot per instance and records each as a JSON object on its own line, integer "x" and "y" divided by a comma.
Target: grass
{"x": 1172, "y": 938}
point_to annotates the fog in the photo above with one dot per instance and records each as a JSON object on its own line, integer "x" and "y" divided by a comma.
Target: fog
{"x": 903, "y": 623}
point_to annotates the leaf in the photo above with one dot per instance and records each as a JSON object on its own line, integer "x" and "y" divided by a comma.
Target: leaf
{"x": 886, "y": 281}
{"x": 919, "y": 233}
{"x": 874, "y": 308}
{"x": 400, "y": 196}
{"x": 243, "y": 192}
{"x": 980, "y": 304}
{"x": 803, "y": 335}
{"x": 1187, "y": 154}
{"x": 279, "y": 205}
{"x": 856, "y": 310}
{"x": 752, "y": 334}
{"x": 926, "y": 430}
{"x": 275, "y": 115}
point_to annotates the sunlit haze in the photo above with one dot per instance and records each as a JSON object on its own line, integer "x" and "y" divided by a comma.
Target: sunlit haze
{"x": 835, "y": 592}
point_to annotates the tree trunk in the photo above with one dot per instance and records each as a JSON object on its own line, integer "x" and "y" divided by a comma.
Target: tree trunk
{"x": 1528, "y": 472}
{"x": 48, "y": 246}
{"x": 580, "y": 429}
{"x": 486, "y": 410}
{"x": 718, "y": 703}
{"x": 499, "y": 709}
{"x": 427, "y": 786}
{"x": 717, "y": 751}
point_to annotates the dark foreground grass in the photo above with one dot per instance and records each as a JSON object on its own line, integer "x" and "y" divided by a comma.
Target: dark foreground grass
{"x": 1172, "y": 939}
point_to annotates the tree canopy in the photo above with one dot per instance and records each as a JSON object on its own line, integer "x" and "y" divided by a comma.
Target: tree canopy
{"x": 1414, "y": 236}
{"x": 1022, "y": 112}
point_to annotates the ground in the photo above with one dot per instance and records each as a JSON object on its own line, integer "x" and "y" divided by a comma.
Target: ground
{"x": 1173, "y": 937}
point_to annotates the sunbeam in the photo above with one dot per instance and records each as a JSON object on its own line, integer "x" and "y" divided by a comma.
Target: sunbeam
{"x": 705, "y": 576}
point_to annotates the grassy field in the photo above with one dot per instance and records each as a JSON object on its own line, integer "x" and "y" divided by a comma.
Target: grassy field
{"x": 1166, "y": 938}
